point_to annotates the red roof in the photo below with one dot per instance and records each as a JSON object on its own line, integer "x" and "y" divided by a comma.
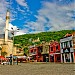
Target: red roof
{"x": 73, "y": 33}
{"x": 54, "y": 43}
{"x": 67, "y": 35}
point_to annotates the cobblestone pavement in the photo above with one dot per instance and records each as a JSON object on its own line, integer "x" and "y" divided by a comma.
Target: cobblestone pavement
{"x": 38, "y": 69}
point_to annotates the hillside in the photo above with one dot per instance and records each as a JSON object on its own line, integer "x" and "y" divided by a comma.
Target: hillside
{"x": 43, "y": 36}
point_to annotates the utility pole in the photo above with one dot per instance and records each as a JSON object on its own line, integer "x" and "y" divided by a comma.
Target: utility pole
{"x": 12, "y": 32}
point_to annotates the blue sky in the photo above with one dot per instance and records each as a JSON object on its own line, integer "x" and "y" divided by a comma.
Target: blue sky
{"x": 33, "y": 16}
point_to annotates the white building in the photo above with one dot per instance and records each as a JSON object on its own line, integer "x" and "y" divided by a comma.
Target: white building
{"x": 67, "y": 49}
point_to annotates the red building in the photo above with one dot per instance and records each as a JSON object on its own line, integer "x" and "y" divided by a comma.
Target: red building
{"x": 35, "y": 53}
{"x": 54, "y": 52}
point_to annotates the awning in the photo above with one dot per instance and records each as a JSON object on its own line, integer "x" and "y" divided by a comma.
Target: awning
{"x": 3, "y": 58}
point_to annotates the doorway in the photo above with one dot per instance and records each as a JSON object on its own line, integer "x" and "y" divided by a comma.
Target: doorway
{"x": 67, "y": 57}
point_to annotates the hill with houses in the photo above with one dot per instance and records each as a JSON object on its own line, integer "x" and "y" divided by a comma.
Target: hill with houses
{"x": 38, "y": 38}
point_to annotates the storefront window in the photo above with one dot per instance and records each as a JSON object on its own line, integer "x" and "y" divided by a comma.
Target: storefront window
{"x": 34, "y": 57}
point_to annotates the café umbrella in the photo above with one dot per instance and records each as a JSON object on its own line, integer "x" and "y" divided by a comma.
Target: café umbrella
{"x": 2, "y": 58}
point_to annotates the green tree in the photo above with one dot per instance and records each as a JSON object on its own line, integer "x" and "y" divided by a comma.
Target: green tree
{"x": 3, "y": 53}
{"x": 26, "y": 50}
{"x": 25, "y": 40}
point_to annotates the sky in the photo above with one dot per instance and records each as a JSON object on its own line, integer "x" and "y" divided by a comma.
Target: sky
{"x": 34, "y": 16}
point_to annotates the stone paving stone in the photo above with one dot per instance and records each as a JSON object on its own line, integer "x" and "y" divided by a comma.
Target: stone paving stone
{"x": 38, "y": 69}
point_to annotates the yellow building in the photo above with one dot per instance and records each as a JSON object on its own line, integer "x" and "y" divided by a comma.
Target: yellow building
{"x": 18, "y": 51}
{"x": 6, "y": 48}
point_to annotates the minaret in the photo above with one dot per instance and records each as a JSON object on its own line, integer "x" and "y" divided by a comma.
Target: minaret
{"x": 7, "y": 26}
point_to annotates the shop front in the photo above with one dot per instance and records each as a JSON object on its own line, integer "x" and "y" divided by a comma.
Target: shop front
{"x": 67, "y": 55}
{"x": 55, "y": 57}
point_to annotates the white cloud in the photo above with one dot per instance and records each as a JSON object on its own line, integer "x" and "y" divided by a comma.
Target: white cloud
{"x": 20, "y": 8}
{"x": 2, "y": 28}
{"x": 51, "y": 15}
{"x": 22, "y": 3}
{"x": 15, "y": 29}
{"x": 3, "y": 8}
{"x": 56, "y": 17}
{"x": 4, "y": 5}
{"x": 11, "y": 26}
{"x": 21, "y": 32}
{"x": 13, "y": 15}
{"x": 2, "y": 25}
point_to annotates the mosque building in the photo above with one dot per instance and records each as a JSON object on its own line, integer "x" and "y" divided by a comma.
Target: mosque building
{"x": 6, "y": 44}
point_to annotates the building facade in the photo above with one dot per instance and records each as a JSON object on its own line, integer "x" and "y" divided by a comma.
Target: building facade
{"x": 54, "y": 52}
{"x": 45, "y": 52}
{"x": 6, "y": 43}
{"x": 35, "y": 53}
{"x": 6, "y": 49}
{"x": 67, "y": 49}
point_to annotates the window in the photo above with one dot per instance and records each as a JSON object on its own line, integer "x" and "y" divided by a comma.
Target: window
{"x": 62, "y": 45}
{"x": 34, "y": 51}
{"x": 56, "y": 47}
{"x": 66, "y": 44}
{"x": 70, "y": 42}
{"x": 31, "y": 51}
{"x": 40, "y": 50}
{"x": 33, "y": 57}
{"x": 46, "y": 48}
{"x": 51, "y": 48}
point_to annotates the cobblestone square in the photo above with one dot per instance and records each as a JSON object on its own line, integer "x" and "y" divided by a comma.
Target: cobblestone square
{"x": 38, "y": 69}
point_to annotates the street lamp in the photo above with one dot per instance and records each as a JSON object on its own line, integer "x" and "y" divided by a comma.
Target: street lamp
{"x": 12, "y": 32}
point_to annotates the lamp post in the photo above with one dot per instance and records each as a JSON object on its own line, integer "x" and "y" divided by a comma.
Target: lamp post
{"x": 12, "y": 32}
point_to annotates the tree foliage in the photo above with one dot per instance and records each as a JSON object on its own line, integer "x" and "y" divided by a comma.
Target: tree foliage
{"x": 3, "y": 53}
{"x": 25, "y": 40}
